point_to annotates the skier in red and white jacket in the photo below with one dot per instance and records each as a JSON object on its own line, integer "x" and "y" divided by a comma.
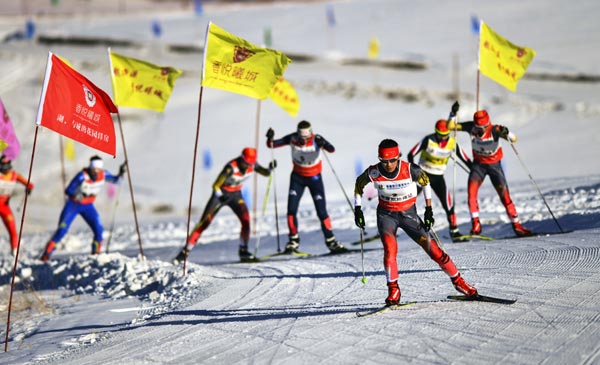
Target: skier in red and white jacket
{"x": 487, "y": 156}
{"x": 306, "y": 156}
{"x": 227, "y": 191}
{"x": 8, "y": 181}
{"x": 396, "y": 183}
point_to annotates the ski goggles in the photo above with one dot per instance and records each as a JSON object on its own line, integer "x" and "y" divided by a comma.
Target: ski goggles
{"x": 389, "y": 160}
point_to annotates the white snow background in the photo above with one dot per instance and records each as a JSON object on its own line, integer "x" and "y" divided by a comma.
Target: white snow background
{"x": 117, "y": 308}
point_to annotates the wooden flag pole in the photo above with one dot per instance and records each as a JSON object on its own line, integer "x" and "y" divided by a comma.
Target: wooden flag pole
{"x": 193, "y": 174}
{"x": 12, "y": 284}
{"x": 137, "y": 227}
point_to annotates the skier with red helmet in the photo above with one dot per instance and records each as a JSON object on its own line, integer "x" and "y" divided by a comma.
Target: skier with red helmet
{"x": 487, "y": 156}
{"x": 227, "y": 191}
{"x": 396, "y": 182}
{"x": 436, "y": 150}
{"x": 8, "y": 182}
{"x": 306, "y": 155}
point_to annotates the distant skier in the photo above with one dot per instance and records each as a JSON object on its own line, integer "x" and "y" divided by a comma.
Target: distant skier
{"x": 306, "y": 156}
{"x": 8, "y": 180}
{"x": 396, "y": 183}
{"x": 436, "y": 150}
{"x": 487, "y": 155}
{"x": 81, "y": 194}
{"x": 227, "y": 191}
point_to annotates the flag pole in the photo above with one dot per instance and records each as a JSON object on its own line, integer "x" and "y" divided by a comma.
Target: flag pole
{"x": 62, "y": 162}
{"x": 192, "y": 183}
{"x": 137, "y": 227}
{"x": 12, "y": 284}
{"x": 255, "y": 178}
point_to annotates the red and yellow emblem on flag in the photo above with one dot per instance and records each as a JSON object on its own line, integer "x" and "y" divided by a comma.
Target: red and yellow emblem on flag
{"x": 74, "y": 107}
{"x": 284, "y": 95}
{"x": 501, "y": 60}
{"x": 236, "y": 65}
{"x": 140, "y": 84}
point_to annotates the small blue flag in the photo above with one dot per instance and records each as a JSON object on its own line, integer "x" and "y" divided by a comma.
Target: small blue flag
{"x": 207, "y": 159}
{"x": 474, "y": 24}
{"x": 156, "y": 28}
{"x": 358, "y": 166}
{"x": 198, "y": 7}
{"x": 330, "y": 15}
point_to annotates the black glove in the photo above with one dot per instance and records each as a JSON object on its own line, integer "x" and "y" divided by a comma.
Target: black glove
{"x": 320, "y": 141}
{"x": 272, "y": 164}
{"x": 455, "y": 107}
{"x": 428, "y": 218}
{"x": 29, "y": 189}
{"x": 270, "y": 133}
{"x": 122, "y": 169}
{"x": 503, "y": 131}
{"x": 223, "y": 199}
{"x": 359, "y": 218}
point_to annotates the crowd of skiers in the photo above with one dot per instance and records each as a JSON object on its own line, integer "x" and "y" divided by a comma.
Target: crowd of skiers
{"x": 397, "y": 182}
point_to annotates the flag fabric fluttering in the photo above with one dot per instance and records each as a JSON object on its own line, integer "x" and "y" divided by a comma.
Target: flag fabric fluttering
{"x": 236, "y": 65}
{"x": 9, "y": 143}
{"x": 74, "y": 107}
{"x": 140, "y": 84}
{"x": 284, "y": 95}
{"x": 501, "y": 60}
{"x": 373, "y": 48}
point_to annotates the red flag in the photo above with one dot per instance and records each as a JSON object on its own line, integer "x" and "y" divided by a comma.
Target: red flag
{"x": 73, "y": 106}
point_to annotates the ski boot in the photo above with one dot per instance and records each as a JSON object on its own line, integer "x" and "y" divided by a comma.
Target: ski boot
{"x": 335, "y": 246}
{"x": 96, "y": 247}
{"x": 455, "y": 235}
{"x": 293, "y": 245}
{"x": 520, "y": 230}
{"x": 180, "y": 257}
{"x": 245, "y": 255}
{"x": 462, "y": 286}
{"x": 476, "y": 229}
{"x": 393, "y": 297}
{"x": 50, "y": 247}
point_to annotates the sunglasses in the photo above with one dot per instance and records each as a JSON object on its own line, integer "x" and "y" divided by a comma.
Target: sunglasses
{"x": 389, "y": 161}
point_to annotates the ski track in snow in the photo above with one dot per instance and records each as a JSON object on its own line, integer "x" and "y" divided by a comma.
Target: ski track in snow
{"x": 302, "y": 310}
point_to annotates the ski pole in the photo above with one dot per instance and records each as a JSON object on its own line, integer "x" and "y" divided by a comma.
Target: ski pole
{"x": 264, "y": 209}
{"x": 338, "y": 180}
{"x": 362, "y": 255}
{"x": 275, "y": 202}
{"x": 536, "y": 186}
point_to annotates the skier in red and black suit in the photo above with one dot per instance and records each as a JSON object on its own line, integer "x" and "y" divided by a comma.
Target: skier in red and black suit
{"x": 436, "y": 150}
{"x": 487, "y": 155}
{"x": 227, "y": 191}
{"x": 8, "y": 181}
{"x": 306, "y": 156}
{"x": 81, "y": 194}
{"x": 396, "y": 183}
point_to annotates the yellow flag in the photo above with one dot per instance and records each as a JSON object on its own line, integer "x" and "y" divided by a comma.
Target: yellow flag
{"x": 284, "y": 95}
{"x": 373, "y": 48}
{"x": 140, "y": 84}
{"x": 501, "y": 60}
{"x": 69, "y": 149}
{"x": 234, "y": 64}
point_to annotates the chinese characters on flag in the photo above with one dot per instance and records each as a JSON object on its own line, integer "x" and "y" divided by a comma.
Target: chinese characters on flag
{"x": 284, "y": 95}
{"x": 501, "y": 60}
{"x": 236, "y": 65}
{"x": 140, "y": 84}
{"x": 74, "y": 107}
